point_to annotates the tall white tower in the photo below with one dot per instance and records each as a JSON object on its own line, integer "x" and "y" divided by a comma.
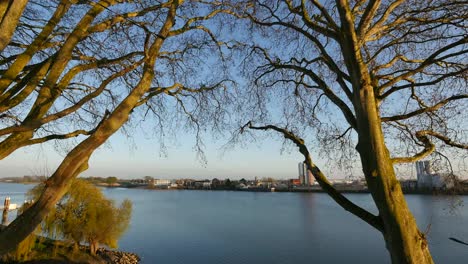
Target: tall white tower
{"x": 424, "y": 174}
{"x": 301, "y": 173}
{"x": 305, "y": 176}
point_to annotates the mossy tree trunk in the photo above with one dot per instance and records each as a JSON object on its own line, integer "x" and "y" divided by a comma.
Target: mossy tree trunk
{"x": 405, "y": 243}
{"x": 403, "y": 239}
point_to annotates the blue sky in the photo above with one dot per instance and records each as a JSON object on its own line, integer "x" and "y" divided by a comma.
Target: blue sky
{"x": 140, "y": 155}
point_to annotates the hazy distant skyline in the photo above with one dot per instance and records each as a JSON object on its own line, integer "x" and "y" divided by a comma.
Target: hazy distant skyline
{"x": 139, "y": 156}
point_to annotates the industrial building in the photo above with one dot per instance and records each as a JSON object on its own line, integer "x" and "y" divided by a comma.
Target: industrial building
{"x": 305, "y": 176}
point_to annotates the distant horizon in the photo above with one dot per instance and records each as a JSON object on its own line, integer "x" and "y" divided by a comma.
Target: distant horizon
{"x": 137, "y": 156}
{"x": 199, "y": 177}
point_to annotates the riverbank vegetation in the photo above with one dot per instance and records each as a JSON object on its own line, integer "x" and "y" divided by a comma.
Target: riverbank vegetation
{"x": 84, "y": 219}
{"x": 47, "y": 251}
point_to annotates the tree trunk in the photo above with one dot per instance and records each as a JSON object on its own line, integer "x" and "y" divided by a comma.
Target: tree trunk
{"x": 403, "y": 239}
{"x": 14, "y": 142}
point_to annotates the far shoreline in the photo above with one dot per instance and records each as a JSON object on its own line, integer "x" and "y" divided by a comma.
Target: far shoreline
{"x": 315, "y": 190}
{"x": 301, "y": 189}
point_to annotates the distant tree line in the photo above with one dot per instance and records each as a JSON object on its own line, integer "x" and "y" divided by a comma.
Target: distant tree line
{"x": 24, "y": 179}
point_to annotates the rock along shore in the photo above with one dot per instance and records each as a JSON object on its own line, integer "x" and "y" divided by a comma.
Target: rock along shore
{"x": 118, "y": 257}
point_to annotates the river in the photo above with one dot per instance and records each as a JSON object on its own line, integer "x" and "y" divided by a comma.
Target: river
{"x": 225, "y": 227}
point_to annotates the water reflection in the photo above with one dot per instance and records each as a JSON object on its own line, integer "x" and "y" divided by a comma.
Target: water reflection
{"x": 222, "y": 227}
{"x": 308, "y": 211}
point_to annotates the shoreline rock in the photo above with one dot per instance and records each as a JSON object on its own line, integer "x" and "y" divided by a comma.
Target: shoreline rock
{"x": 118, "y": 257}
{"x": 103, "y": 256}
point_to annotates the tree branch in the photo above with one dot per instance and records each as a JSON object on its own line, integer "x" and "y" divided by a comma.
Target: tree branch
{"x": 344, "y": 202}
{"x": 426, "y": 109}
{"x": 59, "y": 136}
{"x": 429, "y": 147}
{"x": 431, "y": 59}
{"x": 348, "y": 114}
{"x": 367, "y": 17}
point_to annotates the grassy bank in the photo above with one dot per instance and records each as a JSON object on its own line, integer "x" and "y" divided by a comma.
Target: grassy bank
{"x": 48, "y": 251}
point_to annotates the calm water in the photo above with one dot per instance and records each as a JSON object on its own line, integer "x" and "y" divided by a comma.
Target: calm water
{"x": 218, "y": 227}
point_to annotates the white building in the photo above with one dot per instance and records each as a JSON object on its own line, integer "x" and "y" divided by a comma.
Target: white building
{"x": 162, "y": 182}
{"x": 427, "y": 179}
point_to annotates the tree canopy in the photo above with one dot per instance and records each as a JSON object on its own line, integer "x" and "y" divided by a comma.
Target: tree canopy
{"x": 111, "y": 180}
{"x": 84, "y": 214}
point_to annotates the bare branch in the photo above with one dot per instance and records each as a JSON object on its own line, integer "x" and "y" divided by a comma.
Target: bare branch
{"x": 429, "y": 147}
{"x": 344, "y": 202}
{"x": 433, "y": 108}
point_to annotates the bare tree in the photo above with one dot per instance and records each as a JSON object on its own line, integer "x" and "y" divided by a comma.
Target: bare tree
{"x": 396, "y": 73}
{"x": 106, "y": 61}
{"x": 49, "y": 72}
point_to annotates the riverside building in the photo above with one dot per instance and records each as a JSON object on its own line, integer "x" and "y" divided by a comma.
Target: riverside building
{"x": 427, "y": 178}
{"x": 305, "y": 176}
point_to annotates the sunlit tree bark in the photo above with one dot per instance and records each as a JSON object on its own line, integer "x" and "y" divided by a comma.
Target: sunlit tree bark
{"x": 10, "y": 13}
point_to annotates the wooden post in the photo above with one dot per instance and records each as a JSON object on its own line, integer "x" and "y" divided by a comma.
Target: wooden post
{"x": 6, "y": 207}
